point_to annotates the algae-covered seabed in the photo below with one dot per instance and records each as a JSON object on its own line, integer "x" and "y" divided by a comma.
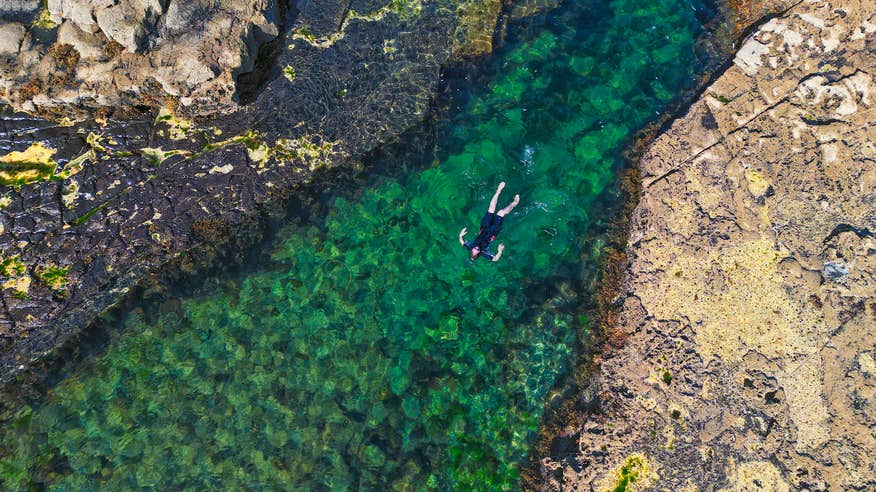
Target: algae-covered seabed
{"x": 368, "y": 352}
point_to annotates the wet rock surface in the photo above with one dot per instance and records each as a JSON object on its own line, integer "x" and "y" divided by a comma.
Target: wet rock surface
{"x": 749, "y": 302}
{"x": 90, "y": 210}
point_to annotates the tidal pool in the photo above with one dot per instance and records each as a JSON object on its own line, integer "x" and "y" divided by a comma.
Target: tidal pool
{"x": 367, "y": 351}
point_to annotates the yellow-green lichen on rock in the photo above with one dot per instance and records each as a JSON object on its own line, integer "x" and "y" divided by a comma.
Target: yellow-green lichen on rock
{"x": 406, "y": 8}
{"x": 37, "y": 163}
{"x": 758, "y": 184}
{"x": 635, "y": 474}
{"x": 866, "y": 364}
{"x": 762, "y": 476}
{"x": 737, "y": 298}
{"x": 310, "y": 150}
{"x": 12, "y": 267}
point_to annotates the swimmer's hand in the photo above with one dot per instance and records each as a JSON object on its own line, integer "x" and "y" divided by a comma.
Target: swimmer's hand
{"x": 499, "y": 252}
{"x": 462, "y": 235}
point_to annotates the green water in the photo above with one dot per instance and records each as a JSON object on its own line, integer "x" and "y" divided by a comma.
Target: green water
{"x": 368, "y": 352}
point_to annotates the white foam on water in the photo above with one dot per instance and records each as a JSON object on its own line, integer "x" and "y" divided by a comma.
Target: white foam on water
{"x": 526, "y": 158}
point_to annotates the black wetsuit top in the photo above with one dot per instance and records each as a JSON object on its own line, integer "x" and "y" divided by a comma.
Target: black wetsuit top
{"x": 491, "y": 225}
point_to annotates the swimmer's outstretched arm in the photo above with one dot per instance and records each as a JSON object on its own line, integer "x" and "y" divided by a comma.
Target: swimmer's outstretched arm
{"x": 499, "y": 252}
{"x": 461, "y": 236}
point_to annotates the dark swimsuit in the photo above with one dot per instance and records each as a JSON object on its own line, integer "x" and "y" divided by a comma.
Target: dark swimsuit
{"x": 491, "y": 225}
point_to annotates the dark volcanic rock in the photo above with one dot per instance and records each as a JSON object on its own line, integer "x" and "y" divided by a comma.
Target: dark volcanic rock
{"x": 88, "y": 211}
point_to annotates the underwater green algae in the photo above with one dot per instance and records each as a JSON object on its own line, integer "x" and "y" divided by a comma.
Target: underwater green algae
{"x": 368, "y": 352}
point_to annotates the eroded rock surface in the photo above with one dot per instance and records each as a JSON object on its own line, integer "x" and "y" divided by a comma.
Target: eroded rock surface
{"x": 77, "y": 58}
{"x": 750, "y": 301}
{"x": 89, "y": 210}
{"x": 71, "y": 57}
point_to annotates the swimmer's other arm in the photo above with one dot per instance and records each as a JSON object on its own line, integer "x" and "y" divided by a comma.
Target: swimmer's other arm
{"x": 461, "y": 236}
{"x": 499, "y": 252}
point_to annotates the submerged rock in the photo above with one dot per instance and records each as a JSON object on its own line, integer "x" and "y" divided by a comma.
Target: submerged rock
{"x": 98, "y": 206}
{"x": 763, "y": 188}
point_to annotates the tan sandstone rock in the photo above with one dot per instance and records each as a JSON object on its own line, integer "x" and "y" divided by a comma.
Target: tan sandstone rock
{"x": 126, "y": 53}
{"x": 752, "y": 275}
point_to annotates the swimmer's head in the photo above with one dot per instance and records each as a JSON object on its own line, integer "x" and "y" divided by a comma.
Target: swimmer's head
{"x": 474, "y": 253}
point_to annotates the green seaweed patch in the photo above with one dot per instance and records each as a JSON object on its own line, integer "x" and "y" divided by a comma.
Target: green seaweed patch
{"x": 305, "y": 149}
{"x": 304, "y": 33}
{"x": 405, "y": 9}
{"x": 635, "y": 470}
{"x": 44, "y": 20}
{"x": 69, "y": 193}
{"x": 722, "y": 98}
{"x": 53, "y": 276}
{"x": 95, "y": 142}
{"x": 36, "y": 163}
{"x": 28, "y": 166}
{"x": 249, "y": 139}
{"x": 311, "y": 150}
{"x": 16, "y": 276}
{"x": 155, "y": 156}
{"x": 177, "y": 128}
{"x": 667, "y": 377}
{"x": 87, "y": 215}
{"x": 12, "y": 267}
{"x": 97, "y": 150}
{"x": 75, "y": 165}
{"x": 289, "y": 73}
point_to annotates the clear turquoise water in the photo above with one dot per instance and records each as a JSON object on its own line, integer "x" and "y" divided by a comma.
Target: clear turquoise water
{"x": 368, "y": 352}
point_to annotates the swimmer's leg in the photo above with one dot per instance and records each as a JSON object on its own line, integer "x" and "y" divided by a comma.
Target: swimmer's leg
{"x": 507, "y": 210}
{"x": 495, "y": 199}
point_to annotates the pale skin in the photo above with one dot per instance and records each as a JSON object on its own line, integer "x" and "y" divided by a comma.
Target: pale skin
{"x": 501, "y": 213}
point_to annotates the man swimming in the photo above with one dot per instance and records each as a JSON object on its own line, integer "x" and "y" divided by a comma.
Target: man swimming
{"x": 491, "y": 224}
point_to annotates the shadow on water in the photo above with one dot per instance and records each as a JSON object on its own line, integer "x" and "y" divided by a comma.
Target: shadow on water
{"x": 356, "y": 347}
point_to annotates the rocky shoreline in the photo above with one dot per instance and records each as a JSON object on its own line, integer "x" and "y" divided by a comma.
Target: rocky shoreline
{"x": 91, "y": 209}
{"x": 741, "y": 338}
{"x": 740, "y": 343}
